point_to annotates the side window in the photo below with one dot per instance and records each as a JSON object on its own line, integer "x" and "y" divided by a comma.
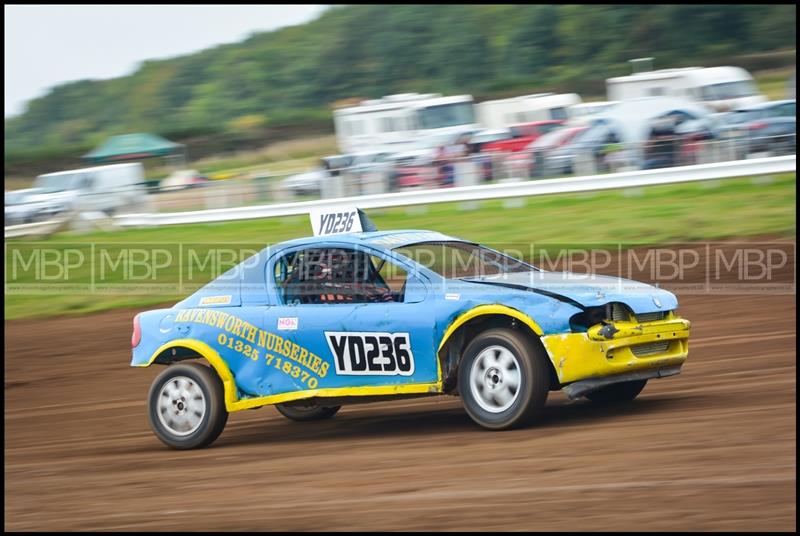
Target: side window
{"x": 393, "y": 275}
{"x": 336, "y": 276}
{"x": 283, "y": 270}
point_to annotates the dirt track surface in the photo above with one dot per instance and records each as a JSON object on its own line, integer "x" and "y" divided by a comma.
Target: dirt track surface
{"x": 710, "y": 449}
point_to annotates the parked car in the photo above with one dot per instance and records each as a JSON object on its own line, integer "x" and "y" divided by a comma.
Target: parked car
{"x": 417, "y": 177}
{"x": 425, "y": 151}
{"x": 623, "y": 128}
{"x": 335, "y": 163}
{"x": 769, "y": 126}
{"x": 306, "y": 183}
{"x": 523, "y": 135}
{"x": 426, "y": 164}
{"x": 101, "y": 188}
{"x": 561, "y": 160}
{"x": 19, "y": 208}
{"x": 369, "y": 161}
{"x": 184, "y": 179}
{"x": 533, "y": 155}
{"x": 354, "y": 315}
{"x": 481, "y": 139}
{"x": 366, "y": 170}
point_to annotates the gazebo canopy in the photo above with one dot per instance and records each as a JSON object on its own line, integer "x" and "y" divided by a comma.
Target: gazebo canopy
{"x": 132, "y": 146}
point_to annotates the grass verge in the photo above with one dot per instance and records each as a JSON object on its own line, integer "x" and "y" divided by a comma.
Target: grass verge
{"x": 712, "y": 210}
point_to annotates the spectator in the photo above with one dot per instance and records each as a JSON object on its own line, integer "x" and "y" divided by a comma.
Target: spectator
{"x": 457, "y": 149}
{"x": 482, "y": 161}
{"x": 610, "y": 144}
{"x": 660, "y": 148}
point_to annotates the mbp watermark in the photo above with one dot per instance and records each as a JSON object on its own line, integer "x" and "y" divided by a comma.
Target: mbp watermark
{"x": 171, "y": 269}
{"x": 121, "y": 268}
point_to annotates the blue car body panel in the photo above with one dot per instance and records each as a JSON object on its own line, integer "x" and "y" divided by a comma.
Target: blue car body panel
{"x": 273, "y": 348}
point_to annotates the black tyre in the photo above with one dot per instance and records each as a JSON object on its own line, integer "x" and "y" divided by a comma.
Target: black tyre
{"x": 186, "y": 406}
{"x": 503, "y": 379}
{"x": 299, "y": 411}
{"x": 618, "y": 392}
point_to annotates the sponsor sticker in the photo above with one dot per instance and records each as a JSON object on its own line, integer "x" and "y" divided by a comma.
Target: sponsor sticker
{"x": 287, "y": 324}
{"x": 370, "y": 353}
{"x": 216, "y": 300}
{"x": 452, "y": 296}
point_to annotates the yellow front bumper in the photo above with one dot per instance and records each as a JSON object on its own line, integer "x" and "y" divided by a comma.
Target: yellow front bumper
{"x": 607, "y": 350}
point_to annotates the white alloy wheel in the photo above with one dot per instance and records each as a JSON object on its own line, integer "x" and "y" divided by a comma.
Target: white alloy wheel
{"x": 181, "y": 406}
{"x": 494, "y": 379}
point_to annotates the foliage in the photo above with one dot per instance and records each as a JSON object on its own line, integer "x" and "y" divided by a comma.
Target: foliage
{"x": 294, "y": 74}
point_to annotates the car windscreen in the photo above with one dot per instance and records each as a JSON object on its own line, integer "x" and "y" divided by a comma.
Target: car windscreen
{"x": 491, "y": 136}
{"x": 728, "y": 90}
{"x": 743, "y": 116}
{"x": 52, "y": 183}
{"x": 446, "y": 115}
{"x": 15, "y": 198}
{"x": 556, "y": 137}
{"x": 592, "y": 135}
{"x": 462, "y": 260}
{"x": 549, "y": 127}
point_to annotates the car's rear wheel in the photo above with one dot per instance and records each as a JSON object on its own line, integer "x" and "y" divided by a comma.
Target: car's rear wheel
{"x": 299, "y": 411}
{"x": 186, "y": 406}
{"x": 618, "y": 392}
{"x": 503, "y": 379}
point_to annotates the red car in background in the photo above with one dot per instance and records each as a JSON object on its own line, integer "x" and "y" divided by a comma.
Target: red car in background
{"x": 417, "y": 177}
{"x": 523, "y": 135}
{"x": 525, "y": 162}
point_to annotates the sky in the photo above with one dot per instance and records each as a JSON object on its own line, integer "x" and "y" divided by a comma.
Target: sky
{"x": 49, "y": 45}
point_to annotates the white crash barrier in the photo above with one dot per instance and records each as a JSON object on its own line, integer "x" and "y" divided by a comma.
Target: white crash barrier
{"x": 627, "y": 179}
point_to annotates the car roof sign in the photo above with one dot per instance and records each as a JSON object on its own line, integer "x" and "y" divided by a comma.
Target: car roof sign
{"x": 340, "y": 220}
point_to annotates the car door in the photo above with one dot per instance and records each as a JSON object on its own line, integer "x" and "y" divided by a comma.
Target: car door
{"x": 359, "y": 329}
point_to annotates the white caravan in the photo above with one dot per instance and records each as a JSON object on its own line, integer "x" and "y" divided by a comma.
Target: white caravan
{"x": 503, "y": 113}
{"x": 719, "y": 88}
{"x": 106, "y": 189}
{"x": 394, "y": 122}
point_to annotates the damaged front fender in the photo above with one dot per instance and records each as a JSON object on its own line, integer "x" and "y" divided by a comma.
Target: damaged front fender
{"x": 627, "y": 347}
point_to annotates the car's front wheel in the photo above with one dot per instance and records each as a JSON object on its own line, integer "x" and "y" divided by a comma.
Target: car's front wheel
{"x": 503, "y": 379}
{"x": 618, "y": 392}
{"x": 300, "y": 411}
{"x": 186, "y": 406}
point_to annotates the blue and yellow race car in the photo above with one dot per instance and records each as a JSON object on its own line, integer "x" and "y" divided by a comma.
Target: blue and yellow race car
{"x": 353, "y": 314}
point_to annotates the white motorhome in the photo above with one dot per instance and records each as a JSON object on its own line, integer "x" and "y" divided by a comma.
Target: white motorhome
{"x": 106, "y": 189}
{"x": 395, "y": 121}
{"x": 503, "y": 113}
{"x": 719, "y": 88}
